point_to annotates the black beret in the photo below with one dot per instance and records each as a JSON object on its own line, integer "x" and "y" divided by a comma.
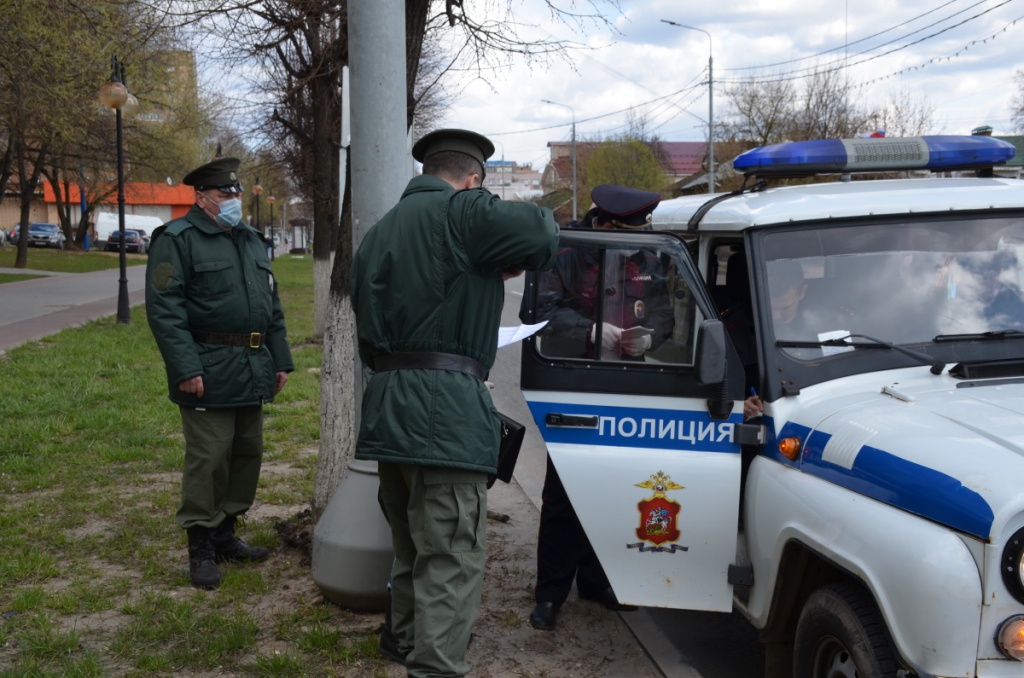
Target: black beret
{"x": 628, "y": 206}
{"x": 477, "y": 146}
{"x": 221, "y": 173}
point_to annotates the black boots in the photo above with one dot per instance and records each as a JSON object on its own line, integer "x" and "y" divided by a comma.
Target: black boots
{"x": 543, "y": 616}
{"x": 209, "y": 546}
{"x": 201, "y": 566}
{"x": 231, "y": 549}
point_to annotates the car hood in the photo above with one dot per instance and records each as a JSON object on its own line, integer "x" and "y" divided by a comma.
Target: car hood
{"x": 947, "y": 450}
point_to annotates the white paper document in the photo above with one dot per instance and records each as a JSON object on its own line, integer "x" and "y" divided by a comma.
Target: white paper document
{"x": 510, "y": 335}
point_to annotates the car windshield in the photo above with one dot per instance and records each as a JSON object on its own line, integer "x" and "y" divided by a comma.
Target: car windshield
{"x": 43, "y": 228}
{"x": 904, "y": 282}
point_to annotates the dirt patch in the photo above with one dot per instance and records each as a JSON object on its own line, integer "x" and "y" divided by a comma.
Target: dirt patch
{"x": 588, "y": 640}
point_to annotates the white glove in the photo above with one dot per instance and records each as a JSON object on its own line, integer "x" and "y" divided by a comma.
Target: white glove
{"x": 636, "y": 344}
{"x": 610, "y": 336}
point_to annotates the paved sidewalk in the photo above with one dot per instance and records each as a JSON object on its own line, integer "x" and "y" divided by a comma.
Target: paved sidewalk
{"x": 33, "y": 309}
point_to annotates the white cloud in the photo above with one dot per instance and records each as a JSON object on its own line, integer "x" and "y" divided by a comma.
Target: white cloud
{"x": 961, "y": 70}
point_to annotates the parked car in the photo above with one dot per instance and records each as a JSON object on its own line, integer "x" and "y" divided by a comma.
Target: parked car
{"x": 41, "y": 235}
{"x": 133, "y": 242}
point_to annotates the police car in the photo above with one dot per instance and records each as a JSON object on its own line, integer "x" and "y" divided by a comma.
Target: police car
{"x": 870, "y": 520}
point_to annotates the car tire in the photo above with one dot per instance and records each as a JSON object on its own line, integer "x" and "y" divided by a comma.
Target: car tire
{"x": 842, "y": 633}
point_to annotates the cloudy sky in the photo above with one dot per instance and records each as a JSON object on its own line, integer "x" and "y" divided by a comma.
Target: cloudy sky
{"x": 956, "y": 56}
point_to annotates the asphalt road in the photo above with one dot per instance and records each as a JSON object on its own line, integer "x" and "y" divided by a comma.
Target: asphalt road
{"x": 684, "y": 644}
{"x": 32, "y": 309}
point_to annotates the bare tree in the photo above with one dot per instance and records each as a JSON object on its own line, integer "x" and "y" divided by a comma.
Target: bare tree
{"x": 826, "y": 110}
{"x": 761, "y": 111}
{"x": 903, "y": 116}
{"x": 1017, "y": 107}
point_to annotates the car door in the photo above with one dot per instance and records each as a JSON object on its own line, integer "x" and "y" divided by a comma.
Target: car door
{"x": 645, "y": 440}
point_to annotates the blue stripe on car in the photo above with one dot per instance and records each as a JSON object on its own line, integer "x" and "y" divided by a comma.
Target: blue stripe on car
{"x": 904, "y": 484}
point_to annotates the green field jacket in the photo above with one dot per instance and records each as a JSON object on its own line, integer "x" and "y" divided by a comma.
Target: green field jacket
{"x": 201, "y": 278}
{"x": 428, "y": 277}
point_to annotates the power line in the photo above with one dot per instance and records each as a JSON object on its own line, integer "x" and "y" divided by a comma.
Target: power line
{"x": 855, "y": 42}
{"x": 803, "y": 73}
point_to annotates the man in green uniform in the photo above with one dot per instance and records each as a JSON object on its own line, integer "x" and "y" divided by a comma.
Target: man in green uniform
{"x": 212, "y": 304}
{"x": 427, "y": 290}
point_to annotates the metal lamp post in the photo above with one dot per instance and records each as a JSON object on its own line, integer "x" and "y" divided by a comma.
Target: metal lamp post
{"x": 256, "y": 190}
{"x": 711, "y": 107}
{"x": 271, "y": 200}
{"x": 555, "y": 103}
{"x": 114, "y": 95}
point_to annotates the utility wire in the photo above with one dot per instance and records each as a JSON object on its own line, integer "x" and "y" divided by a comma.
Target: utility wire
{"x": 855, "y": 42}
{"x": 800, "y": 74}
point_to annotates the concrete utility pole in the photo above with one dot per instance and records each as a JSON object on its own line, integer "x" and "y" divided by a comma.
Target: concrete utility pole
{"x": 381, "y": 161}
{"x": 352, "y": 553}
{"x": 381, "y": 166}
{"x": 711, "y": 105}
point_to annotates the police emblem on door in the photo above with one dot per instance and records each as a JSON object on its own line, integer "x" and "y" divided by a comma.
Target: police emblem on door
{"x": 658, "y": 515}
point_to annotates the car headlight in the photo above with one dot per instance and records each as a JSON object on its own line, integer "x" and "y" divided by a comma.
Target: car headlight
{"x": 1012, "y": 565}
{"x": 1010, "y": 637}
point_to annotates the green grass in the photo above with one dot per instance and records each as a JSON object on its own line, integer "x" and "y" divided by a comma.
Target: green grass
{"x": 68, "y": 261}
{"x": 13, "y": 277}
{"x": 93, "y": 576}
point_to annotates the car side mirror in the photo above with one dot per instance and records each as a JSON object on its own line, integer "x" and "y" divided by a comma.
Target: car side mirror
{"x": 710, "y": 352}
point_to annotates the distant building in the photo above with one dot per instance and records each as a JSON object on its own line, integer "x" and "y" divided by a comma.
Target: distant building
{"x": 144, "y": 199}
{"x": 177, "y": 90}
{"x": 510, "y": 181}
{"x": 679, "y": 160}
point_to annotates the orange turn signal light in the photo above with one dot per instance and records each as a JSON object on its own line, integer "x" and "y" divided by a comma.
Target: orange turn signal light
{"x": 790, "y": 447}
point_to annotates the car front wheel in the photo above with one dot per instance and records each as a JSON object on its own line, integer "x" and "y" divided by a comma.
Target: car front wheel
{"x": 841, "y": 634}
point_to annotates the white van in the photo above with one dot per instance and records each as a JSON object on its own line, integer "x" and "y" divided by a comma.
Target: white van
{"x": 107, "y": 222}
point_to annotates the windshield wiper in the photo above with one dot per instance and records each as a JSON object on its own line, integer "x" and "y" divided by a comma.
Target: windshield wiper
{"x": 937, "y": 366}
{"x": 980, "y": 336}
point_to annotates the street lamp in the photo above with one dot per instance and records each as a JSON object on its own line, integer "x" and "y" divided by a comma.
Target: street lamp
{"x": 555, "y": 103}
{"x": 114, "y": 95}
{"x": 271, "y": 200}
{"x": 256, "y": 190}
{"x": 711, "y": 107}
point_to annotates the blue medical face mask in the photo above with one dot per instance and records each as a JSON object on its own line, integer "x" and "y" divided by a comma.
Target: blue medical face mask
{"x": 230, "y": 212}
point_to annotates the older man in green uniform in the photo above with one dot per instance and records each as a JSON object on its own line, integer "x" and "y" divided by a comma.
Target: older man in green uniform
{"x": 212, "y": 304}
{"x": 427, "y": 290}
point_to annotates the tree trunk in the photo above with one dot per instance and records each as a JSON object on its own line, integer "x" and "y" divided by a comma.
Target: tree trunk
{"x": 337, "y": 395}
{"x": 337, "y": 381}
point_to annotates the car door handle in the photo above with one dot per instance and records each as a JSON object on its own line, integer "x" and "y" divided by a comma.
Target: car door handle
{"x": 577, "y": 420}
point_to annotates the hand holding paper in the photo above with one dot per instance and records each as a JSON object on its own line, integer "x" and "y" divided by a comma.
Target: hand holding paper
{"x": 636, "y": 340}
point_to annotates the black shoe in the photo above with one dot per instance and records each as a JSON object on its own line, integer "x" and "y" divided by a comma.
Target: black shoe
{"x": 387, "y": 647}
{"x": 608, "y": 599}
{"x": 543, "y": 616}
{"x": 201, "y": 566}
{"x": 231, "y": 549}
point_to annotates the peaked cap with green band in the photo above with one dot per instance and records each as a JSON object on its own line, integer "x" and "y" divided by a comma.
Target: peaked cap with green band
{"x": 221, "y": 174}
{"x": 476, "y": 146}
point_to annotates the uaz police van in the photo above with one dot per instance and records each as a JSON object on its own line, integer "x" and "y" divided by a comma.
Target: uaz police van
{"x": 870, "y": 520}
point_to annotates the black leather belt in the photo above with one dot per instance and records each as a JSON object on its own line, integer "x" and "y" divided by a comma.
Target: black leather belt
{"x": 422, "y": 360}
{"x": 251, "y": 340}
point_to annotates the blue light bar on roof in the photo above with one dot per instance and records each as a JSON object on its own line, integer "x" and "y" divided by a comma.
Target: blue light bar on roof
{"x": 875, "y": 155}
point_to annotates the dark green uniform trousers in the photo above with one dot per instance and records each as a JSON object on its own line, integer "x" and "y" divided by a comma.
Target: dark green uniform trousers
{"x": 223, "y": 454}
{"x": 438, "y": 523}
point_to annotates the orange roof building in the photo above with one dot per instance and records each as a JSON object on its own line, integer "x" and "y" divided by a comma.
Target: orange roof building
{"x": 156, "y": 199}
